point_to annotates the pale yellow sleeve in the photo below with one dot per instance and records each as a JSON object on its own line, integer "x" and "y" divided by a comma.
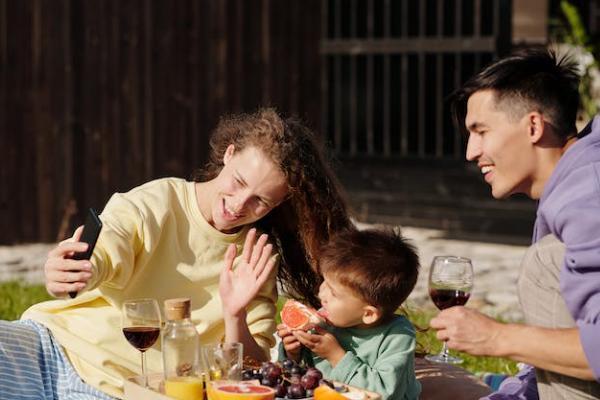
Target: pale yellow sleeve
{"x": 120, "y": 241}
{"x": 261, "y": 313}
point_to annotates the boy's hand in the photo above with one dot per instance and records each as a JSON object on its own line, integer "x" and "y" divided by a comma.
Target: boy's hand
{"x": 323, "y": 344}
{"x": 292, "y": 346}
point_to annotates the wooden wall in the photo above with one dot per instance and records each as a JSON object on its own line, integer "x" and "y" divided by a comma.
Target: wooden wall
{"x": 98, "y": 96}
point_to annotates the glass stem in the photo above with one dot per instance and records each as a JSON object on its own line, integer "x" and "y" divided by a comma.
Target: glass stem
{"x": 145, "y": 379}
{"x": 444, "y": 352}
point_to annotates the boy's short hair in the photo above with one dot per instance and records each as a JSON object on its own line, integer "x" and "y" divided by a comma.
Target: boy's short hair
{"x": 531, "y": 79}
{"x": 379, "y": 265}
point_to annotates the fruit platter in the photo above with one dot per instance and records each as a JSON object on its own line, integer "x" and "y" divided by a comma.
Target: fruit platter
{"x": 290, "y": 380}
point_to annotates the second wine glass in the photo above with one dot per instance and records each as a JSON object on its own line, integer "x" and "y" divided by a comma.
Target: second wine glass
{"x": 450, "y": 284}
{"x": 140, "y": 320}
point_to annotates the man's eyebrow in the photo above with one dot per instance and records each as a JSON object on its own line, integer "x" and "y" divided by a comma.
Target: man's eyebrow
{"x": 475, "y": 126}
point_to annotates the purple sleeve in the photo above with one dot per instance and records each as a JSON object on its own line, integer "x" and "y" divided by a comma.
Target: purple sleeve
{"x": 578, "y": 227}
{"x": 522, "y": 386}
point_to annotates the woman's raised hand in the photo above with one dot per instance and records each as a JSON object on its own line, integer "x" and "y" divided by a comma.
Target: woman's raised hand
{"x": 238, "y": 287}
{"x": 64, "y": 275}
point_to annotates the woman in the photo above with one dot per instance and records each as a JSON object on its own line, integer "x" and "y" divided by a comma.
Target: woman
{"x": 169, "y": 237}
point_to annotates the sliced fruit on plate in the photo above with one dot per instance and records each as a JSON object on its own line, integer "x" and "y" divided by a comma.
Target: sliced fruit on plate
{"x": 296, "y": 315}
{"x": 233, "y": 390}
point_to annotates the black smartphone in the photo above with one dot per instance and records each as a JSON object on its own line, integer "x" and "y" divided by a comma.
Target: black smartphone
{"x": 91, "y": 231}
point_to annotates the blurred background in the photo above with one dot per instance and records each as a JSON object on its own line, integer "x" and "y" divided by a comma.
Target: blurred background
{"x": 99, "y": 96}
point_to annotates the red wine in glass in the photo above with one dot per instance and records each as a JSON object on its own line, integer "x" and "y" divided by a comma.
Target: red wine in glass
{"x": 446, "y": 298}
{"x": 450, "y": 283}
{"x": 141, "y": 337}
{"x": 140, "y": 321}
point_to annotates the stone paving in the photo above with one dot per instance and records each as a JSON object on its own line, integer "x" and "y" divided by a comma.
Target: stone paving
{"x": 23, "y": 262}
{"x": 496, "y": 268}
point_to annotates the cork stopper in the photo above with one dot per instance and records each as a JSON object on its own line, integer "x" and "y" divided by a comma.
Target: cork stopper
{"x": 179, "y": 308}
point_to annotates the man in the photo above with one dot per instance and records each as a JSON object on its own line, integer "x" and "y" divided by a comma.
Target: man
{"x": 519, "y": 114}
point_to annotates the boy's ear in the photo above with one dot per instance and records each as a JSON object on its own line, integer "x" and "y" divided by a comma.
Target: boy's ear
{"x": 371, "y": 314}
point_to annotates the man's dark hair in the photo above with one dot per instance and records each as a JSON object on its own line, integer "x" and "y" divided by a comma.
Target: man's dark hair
{"x": 532, "y": 79}
{"x": 380, "y": 266}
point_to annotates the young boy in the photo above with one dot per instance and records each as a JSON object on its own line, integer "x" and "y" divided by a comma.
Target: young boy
{"x": 367, "y": 275}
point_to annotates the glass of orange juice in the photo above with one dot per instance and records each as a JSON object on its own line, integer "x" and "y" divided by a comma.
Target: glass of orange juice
{"x": 185, "y": 388}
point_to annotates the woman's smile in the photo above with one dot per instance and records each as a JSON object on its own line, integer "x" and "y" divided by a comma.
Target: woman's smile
{"x": 228, "y": 213}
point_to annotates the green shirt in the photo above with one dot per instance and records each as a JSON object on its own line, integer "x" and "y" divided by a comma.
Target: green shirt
{"x": 380, "y": 359}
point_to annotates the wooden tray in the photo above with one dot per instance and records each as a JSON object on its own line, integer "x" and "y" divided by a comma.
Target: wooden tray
{"x": 133, "y": 390}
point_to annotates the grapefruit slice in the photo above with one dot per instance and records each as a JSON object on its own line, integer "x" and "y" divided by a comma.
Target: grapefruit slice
{"x": 234, "y": 390}
{"x": 296, "y": 315}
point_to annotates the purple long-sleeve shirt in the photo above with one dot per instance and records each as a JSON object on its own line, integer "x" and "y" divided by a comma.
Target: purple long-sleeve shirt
{"x": 570, "y": 210}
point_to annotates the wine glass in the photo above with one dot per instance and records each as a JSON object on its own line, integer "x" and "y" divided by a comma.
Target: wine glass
{"x": 140, "y": 320}
{"x": 450, "y": 284}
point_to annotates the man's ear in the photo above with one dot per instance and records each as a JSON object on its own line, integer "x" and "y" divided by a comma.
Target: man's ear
{"x": 536, "y": 126}
{"x": 228, "y": 154}
{"x": 371, "y": 314}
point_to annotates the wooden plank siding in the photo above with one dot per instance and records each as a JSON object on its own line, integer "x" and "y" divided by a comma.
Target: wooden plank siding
{"x": 393, "y": 64}
{"x": 99, "y": 96}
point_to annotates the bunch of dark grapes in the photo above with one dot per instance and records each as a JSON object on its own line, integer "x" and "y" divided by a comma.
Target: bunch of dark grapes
{"x": 290, "y": 380}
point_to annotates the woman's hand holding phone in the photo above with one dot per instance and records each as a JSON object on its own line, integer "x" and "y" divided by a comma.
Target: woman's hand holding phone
{"x": 68, "y": 269}
{"x": 62, "y": 273}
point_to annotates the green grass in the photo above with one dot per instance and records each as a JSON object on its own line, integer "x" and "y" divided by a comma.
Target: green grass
{"x": 280, "y": 302}
{"x": 428, "y": 343}
{"x": 16, "y": 297}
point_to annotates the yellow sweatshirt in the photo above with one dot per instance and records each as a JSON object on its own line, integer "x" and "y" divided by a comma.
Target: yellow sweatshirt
{"x": 154, "y": 243}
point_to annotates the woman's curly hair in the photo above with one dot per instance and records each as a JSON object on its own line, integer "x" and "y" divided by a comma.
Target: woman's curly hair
{"x": 314, "y": 209}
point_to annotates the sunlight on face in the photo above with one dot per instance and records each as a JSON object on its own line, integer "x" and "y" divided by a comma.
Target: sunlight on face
{"x": 500, "y": 146}
{"x": 247, "y": 188}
